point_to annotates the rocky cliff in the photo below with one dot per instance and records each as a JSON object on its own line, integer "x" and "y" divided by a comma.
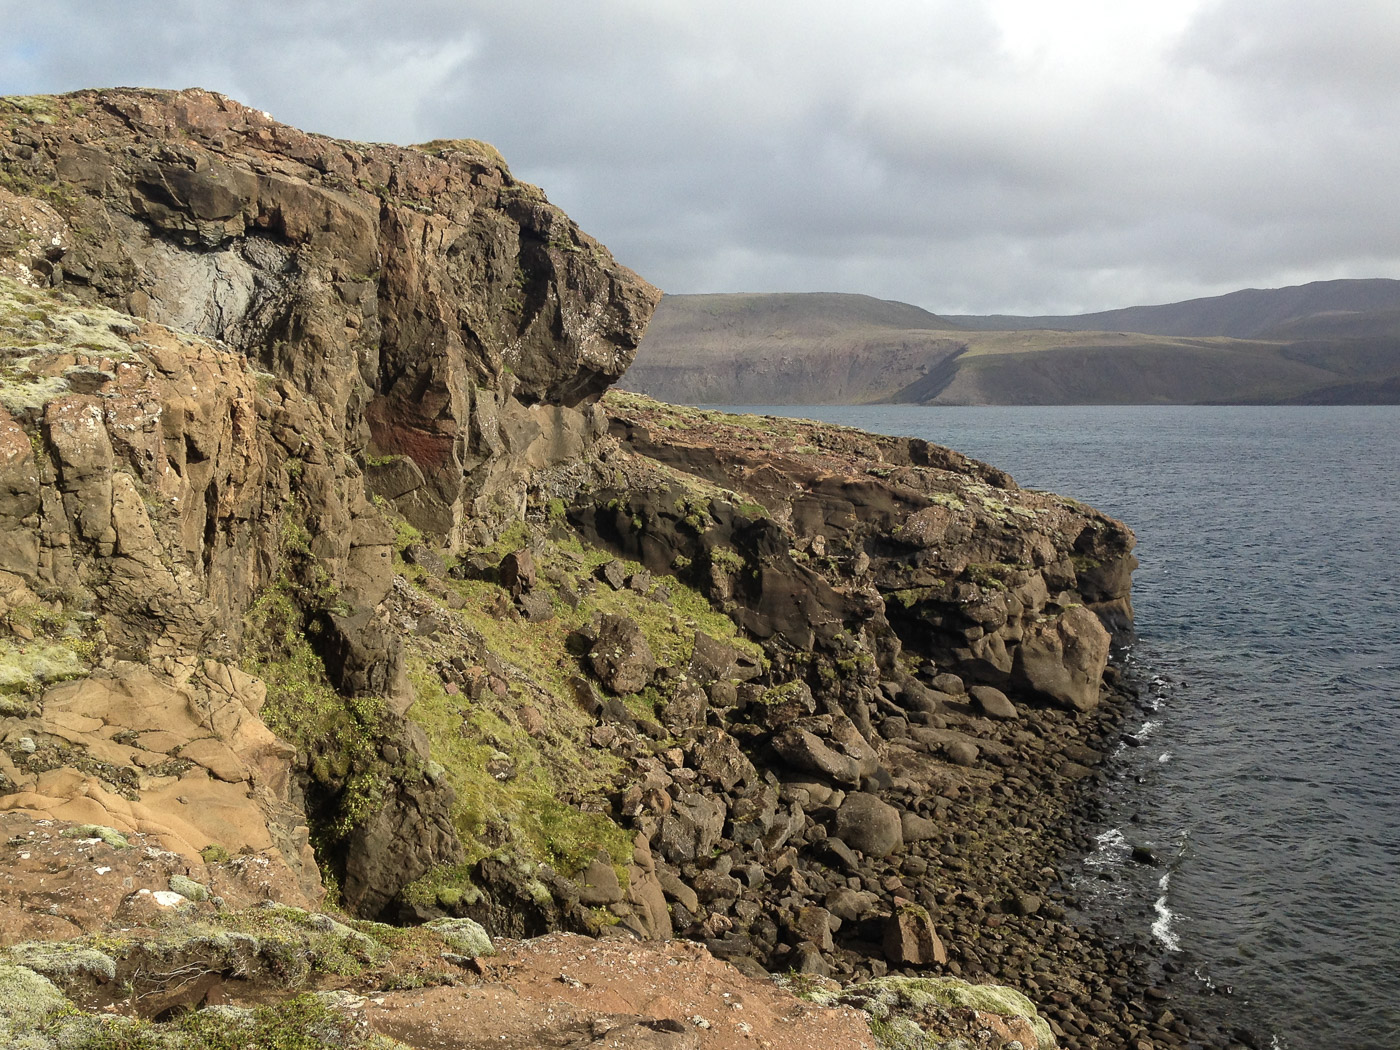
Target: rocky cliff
{"x": 326, "y": 571}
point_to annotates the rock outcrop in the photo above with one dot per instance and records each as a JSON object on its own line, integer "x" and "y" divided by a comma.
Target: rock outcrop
{"x": 443, "y": 312}
{"x": 317, "y": 339}
{"x": 323, "y": 558}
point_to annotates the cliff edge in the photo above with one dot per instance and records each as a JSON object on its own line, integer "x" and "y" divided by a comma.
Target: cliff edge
{"x": 330, "y": 579}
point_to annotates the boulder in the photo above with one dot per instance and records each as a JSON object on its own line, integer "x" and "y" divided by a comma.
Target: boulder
{"x": 598, "y": 883}
{"x": 916, "y": 828}
{"x": 517, "y": 572}
{"x": 804, "y": 750}
{"x": 992, "y": 702}
{"x": 910, "y": 939}
{"x": 814, "y": 925}
{"x": 691, "y": 828}
{"x": 620, "y": 655}
{"x": 961, "y": 752}
{"x": 867, "y": 823}
{"x": 1063, "y": 659}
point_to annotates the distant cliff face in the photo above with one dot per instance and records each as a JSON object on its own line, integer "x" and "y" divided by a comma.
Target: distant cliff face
{"x": 445, "y": 310}
{"x": 1341, "y": 344}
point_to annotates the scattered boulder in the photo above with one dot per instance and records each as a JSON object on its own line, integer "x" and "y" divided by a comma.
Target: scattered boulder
{"x": 992, "y": 702}
{"x": 620, "y": 655}
{"x": 910, "y": 939}
{"x": 614, "y": 574}
{"x": 916, "y": 828}
{"x": 804, "y": 750}
{"x": 867, "y": 823}
{"x": 691, "y": 828}
{"x": 517, "y": 572}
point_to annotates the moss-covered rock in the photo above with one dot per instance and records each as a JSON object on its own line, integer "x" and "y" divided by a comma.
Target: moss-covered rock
{"x": 921, "y": 1013}
{"x": 463, "y": 936}
{"x": 27, "y": 1000}
{"x": 64, "y": 961}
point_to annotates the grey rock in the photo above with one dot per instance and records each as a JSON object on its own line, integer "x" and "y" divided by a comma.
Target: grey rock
{"x": 916, "y": 828}
{"x": 620, "y": 656}
{"x": 692, "y": 828}
{"x": 992, "y": 702}
{"x": 867, "y": 823}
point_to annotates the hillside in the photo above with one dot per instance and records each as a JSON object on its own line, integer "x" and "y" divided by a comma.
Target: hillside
{"x": 1246, "y": 314}
{"x": 804, "y": 348}
{"x": 1331, "y": 342}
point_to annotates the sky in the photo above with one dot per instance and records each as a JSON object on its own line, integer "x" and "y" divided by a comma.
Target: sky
{"x": 968, "y": 156}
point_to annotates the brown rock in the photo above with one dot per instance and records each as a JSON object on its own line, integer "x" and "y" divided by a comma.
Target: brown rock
{"x": 1064, "y": 660}
{"x": 598, "y": 883}
{"x": 910, "y": 939}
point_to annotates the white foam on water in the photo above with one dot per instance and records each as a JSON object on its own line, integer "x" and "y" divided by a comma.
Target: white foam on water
{"x": 1148, "y": 728}
{"x": 1112, "y": 849}
{"x": 1164, "y": 757}
{"x": 1162, "y": 927}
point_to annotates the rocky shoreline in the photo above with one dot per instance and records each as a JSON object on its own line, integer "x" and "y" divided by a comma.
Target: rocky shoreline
{"x": 331, "y": 575}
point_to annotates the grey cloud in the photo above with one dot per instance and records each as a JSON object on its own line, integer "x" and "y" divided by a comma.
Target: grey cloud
{"x": 903, "y": 150}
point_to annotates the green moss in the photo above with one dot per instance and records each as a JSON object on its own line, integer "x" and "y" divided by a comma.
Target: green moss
{"x": 726, "y": 558}
{"x": 447, "y": 886}
{"x": 528, "y": 812}
{"x": 304, "y": 1022}
{"x": 886, "y": 998}
{"x": 111, "y": 836}
{"x": 405, "y": 536}
{"x": 188, "y": 888}
{"x": 947, "y": 499}
{"x": 991, "y": 575}
{"x": 338, "y": 734}
{"x": 463, "y": 936}
{"x": 63, "y": 960}
{"x": 27, "y": 999}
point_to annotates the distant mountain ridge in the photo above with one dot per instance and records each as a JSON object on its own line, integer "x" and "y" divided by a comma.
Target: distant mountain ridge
{"x": 1246, "y": 314}
{"x": 1329, "y": 342}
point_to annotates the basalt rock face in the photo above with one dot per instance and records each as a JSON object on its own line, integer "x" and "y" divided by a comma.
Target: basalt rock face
{"x": 234, "y": 355}
{"x": 834, "y": 541}
{"x": 443, "y": 311}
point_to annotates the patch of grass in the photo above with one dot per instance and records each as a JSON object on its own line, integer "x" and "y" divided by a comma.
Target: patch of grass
{"x": 304, "y": 1022}
{"x": 530, "y": 814}
{"x": 337, "y": 733}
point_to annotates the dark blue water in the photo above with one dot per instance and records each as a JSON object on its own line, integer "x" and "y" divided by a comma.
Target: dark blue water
{"x": 1268, "y": 602}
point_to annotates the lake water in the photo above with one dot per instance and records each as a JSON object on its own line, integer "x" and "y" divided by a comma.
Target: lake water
{"x": 1268, "y": 610}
